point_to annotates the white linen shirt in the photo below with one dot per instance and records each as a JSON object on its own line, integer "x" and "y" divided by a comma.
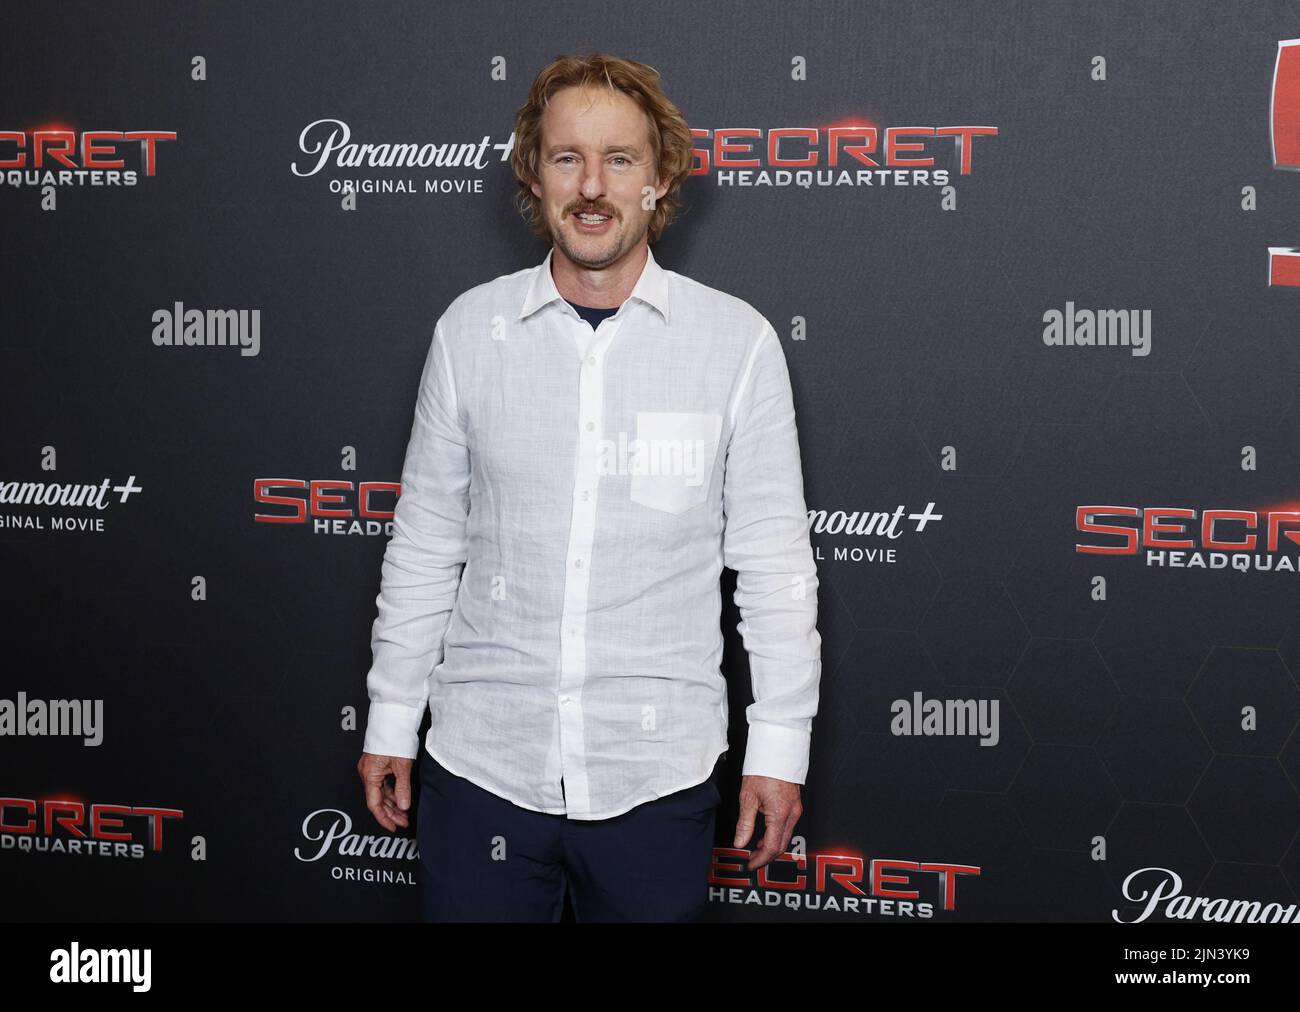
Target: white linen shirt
{"x": 551, "y": 589}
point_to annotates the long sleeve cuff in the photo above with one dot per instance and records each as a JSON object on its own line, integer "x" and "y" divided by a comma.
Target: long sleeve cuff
{"x": 393, "y": 729}
{"x": 774, "y": 750}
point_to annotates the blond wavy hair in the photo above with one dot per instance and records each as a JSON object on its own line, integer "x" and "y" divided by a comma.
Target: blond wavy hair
{"x": 669, "y": 134}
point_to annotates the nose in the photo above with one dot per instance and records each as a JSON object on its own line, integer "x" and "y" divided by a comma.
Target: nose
{"x": 593, "y": 181}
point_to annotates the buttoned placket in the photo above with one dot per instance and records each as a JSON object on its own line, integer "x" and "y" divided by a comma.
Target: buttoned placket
{"x": 577, "y": 572}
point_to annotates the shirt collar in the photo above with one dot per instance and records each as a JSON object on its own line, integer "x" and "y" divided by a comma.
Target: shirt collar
{"x": 651, "y": 287}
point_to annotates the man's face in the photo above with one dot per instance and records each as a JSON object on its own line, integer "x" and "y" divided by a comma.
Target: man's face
{"x": 595, "y": 156}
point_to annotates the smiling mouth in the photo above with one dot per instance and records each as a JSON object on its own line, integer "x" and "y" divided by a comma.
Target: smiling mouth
{"x": 591, "y": 217}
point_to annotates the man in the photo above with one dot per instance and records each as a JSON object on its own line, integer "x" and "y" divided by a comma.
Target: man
{"x": 594, "y": 439}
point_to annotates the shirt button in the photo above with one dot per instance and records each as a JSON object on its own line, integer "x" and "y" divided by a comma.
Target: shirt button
{"x": 566, "y": 699}
{"x": 577, "y": 563}
{"x": 586, "y": 494}
{"x": 590, "y": 426}
{"x": 591, "y": 360}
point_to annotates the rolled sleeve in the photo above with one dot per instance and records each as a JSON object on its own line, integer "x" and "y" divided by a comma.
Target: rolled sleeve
{"x": 766, "y": 541}
{"x": 422, "y": 563}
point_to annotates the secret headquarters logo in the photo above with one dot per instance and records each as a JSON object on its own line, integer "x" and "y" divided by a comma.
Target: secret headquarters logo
{"x": 70, "y": 826}
{"x": 58, "y": 155}
{"x": 1184, "y": 538}
{"x": 841, "y": 882}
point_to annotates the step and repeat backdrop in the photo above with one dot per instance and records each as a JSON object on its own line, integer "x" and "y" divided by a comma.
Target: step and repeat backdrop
{"x": 1034, "y": 268}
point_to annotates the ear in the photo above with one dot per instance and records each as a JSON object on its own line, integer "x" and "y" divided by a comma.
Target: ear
{"x": 661, "y": 190}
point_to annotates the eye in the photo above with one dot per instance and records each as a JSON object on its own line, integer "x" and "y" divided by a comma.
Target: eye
{"x": 621, "y": 158}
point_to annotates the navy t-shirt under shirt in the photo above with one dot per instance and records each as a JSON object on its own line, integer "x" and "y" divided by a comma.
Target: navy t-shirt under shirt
{"x": 593, "y": 316}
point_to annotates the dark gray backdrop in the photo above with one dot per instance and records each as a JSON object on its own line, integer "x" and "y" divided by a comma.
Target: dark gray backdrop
{"x": 1121, "y": 741}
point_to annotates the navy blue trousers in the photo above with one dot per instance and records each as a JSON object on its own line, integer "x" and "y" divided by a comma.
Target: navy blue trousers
{"x": 483, "y": 858}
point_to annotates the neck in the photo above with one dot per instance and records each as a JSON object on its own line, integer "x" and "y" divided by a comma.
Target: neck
{"x": 603, "y": 289}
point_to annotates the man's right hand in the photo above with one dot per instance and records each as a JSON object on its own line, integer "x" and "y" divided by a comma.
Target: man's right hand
{"x": 389, "y": 807}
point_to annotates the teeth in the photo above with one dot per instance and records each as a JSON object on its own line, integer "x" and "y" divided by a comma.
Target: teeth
{"x": 593, "y": 219}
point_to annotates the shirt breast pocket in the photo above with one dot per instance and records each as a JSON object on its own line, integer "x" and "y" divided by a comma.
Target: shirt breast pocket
{"x": 675, "y": 455}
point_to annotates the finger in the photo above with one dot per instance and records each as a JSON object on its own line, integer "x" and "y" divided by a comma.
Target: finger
{"x": 770, "y": 845}
{"x": 403, "y": 778}
{"x": 381, "y": 817}
{"x": 399, "y": 817}
{"x": 389, "y": 805}
{"x": 790, "y": 822}
{"x": 374, "y": 793}
{"x": 376, "y": 784}
{"x": 390, "y": 800}
{"x": 745, "y": 823}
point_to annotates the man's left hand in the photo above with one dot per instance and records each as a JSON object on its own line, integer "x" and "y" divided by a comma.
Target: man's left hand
{"x": 779, "y": 802}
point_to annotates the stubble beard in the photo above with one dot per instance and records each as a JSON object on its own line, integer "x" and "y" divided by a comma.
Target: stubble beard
{"x": 618, "y": 246}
